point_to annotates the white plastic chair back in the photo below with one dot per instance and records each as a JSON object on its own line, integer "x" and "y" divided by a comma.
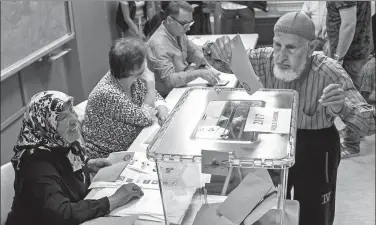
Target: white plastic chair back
{"x": 7, "y": 190}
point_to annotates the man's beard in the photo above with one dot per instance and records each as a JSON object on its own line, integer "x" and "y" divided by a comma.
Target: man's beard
{"x": 288, "y": 75}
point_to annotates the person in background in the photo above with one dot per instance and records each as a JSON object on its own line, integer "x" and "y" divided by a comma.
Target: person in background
{"x": 131, "y": 17}
{"x": 236, "y": 12}
{"x": 373, "y": 12}
{"x": 239, "y": 16}
{"x": 201, "y": 16}
{"x": 316, "y": 11}
{"x": 349, "y": 30}
{"x": 367, "y": 87}
{"x": 152, "y": 25}
{"x": 170, "y": 52}
{"x": 52, "y": 169}
{"x": 325, "y": 92}
{"x": 123, "y": 102}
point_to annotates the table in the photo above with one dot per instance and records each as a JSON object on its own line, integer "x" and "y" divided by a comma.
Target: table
{"x": 140, "y": 144}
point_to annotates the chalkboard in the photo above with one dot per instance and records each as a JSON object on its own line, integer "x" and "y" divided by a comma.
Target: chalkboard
{"x": 31, "y": 30}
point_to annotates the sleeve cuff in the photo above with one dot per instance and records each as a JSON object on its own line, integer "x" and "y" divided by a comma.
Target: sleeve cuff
{"x": 147, "y": 110}
{"x": 160, "y": 102}
{"x": 344, "y": 111}
{"x": 104, "y": 205}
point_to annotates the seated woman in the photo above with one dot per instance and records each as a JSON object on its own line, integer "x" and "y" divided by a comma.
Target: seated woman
{"x": 51, "y": 168}
{"x": 123, "y": 102}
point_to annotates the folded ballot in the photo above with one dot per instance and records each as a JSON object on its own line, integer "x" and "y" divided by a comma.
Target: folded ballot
{"x": 242, "y": 67}
{"x": 254, "y": 196}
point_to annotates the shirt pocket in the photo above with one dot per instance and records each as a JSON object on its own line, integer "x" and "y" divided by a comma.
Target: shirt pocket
{"x": 312, "y": 119}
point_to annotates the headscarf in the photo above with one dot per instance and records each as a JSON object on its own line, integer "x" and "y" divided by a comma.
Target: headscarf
{"x": 38, "y": 131}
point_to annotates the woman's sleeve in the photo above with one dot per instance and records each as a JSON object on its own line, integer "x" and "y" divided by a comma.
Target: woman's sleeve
{"x": 122, "y": 109}
{"x": 43, "y": 183}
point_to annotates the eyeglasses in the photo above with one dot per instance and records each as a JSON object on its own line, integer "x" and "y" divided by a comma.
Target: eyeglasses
{"x": 185, "y": 25}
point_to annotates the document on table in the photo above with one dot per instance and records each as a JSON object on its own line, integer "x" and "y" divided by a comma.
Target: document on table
{"x": 268, "y": 120}
{"x": 138, "y": 170}
{"x": 149, "y": 206}
{"x": 242, "y": 67}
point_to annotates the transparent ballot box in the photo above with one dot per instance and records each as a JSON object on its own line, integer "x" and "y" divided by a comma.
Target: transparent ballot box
{"x": 223, "y": 156}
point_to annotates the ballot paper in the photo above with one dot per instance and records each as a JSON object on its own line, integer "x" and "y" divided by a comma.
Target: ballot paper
{"x": 242, "y": 67}
{"x": 247, "y": 196}
{"x": 110, "y": 173}
{"x": 268, "y": 120}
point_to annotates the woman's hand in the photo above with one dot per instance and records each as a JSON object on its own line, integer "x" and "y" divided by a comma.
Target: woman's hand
{"x": 124, "y": 194}
{"x": 162, "y": 113}
{"x": 94, "y": 165}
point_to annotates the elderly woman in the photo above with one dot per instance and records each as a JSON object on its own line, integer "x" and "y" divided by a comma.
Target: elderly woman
{"x": 51, "y": 168}
{"x": 123, "y": 102}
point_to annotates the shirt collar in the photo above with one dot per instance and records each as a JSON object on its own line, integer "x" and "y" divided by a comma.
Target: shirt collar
{"x": 167, "y": 32}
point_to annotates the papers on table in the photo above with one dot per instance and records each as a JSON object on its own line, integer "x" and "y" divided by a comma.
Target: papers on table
{"x": 138, "y": 170}
{"x": 178, "y": 187}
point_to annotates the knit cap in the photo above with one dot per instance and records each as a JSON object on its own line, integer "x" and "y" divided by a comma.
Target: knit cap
{"x": 296, "y": 23}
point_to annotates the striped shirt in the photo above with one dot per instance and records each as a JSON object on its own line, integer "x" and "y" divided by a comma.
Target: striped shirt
{"x": 356, "y": 113}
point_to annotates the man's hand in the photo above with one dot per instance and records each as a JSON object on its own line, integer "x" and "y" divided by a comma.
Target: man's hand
{"x": 211, "y": 76}
{"x": 221, "y": 49}
{"x": 162, "y": 113}
{"x": 94, "y": 165}
{"x": 334, "y": 97}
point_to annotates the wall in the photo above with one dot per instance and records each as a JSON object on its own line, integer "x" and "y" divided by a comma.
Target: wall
{"x": 76, "y": 73}
{"x": 93, "y": 41}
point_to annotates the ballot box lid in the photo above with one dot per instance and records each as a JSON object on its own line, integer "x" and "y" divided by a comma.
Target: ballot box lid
{"x": 256, "y": 130}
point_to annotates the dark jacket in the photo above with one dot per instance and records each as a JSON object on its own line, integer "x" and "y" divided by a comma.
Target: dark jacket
{"x": 47, "y": 192}
{"x": 132, "y": 11}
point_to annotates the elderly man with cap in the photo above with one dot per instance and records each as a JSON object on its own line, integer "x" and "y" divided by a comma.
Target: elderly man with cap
{"x": 325, "y": 92}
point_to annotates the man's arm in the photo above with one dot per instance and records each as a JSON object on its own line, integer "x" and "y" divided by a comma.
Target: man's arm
{"x": 261, "y": 60}
{"x": 194, "y": 53}
{"x": 356, "y": 113}
{"x": 347, "y": 30}
{"x": 162, "y": 65}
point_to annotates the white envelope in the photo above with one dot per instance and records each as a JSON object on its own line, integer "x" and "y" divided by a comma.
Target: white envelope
{"x": 242, "y": 67}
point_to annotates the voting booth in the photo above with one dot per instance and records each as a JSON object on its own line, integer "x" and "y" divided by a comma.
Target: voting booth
{"x": 223, "y": 156}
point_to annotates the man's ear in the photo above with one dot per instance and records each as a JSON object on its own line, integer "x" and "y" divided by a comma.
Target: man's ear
{"x": 312, "y": 45}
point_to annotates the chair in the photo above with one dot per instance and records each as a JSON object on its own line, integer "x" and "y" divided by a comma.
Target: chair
{"x": 7, "y": 190}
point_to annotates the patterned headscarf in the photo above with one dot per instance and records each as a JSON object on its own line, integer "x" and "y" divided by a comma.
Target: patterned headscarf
{"x": 38, "y": 131}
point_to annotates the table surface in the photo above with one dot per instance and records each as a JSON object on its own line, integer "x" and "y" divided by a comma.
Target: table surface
{"x": 139, "y": 145}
